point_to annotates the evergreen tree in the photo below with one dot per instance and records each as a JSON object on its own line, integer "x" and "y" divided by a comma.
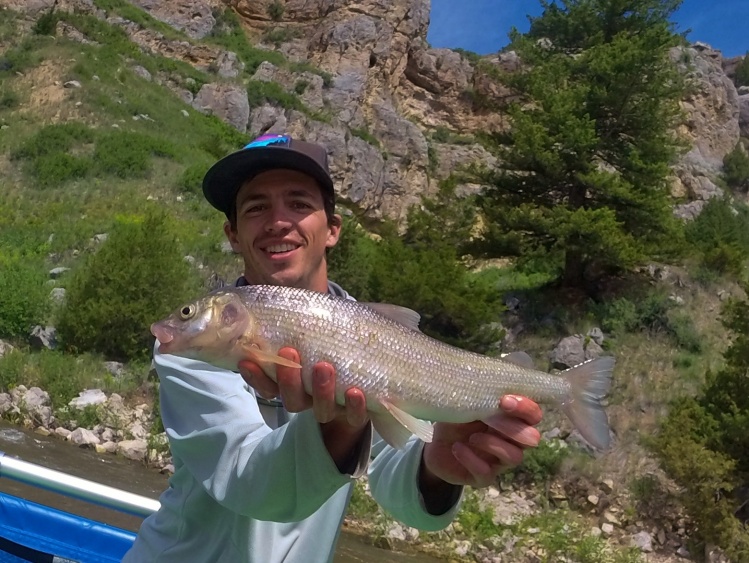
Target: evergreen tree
{"x": 583, "y": 180}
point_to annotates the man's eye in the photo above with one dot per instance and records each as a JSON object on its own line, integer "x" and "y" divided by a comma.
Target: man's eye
{"x": 254, "y": 209}
{"x": 301, "y": 205}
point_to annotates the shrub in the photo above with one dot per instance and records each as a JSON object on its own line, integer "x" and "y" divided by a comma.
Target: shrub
{"x": 704, "y": 444}
{"x": 720, "y": 235}
{"x": 280, "y": 35}
{"x": 736, "y": 168}
{"x": 22, "y": 57}
{"x": 229, "y": 34}
{"x": 276, "y": 10}
{"x": 23, "y": 295}
{"x": 59, "y": 375}
{"x": 543, "y": 463}
{"x": 57, "y": 168}
{"x": 127, "y": 154}
{"x": 301, "y": 87}
{"x": 137, "y": 276}
{"x": 9, "y": 99}
{"x": 742, "y": 71}
{"x": 12, "y": 370}
{"x": 53, "y": 139}
{"x": 654, "y": 313}
{"x": 260, "y": 92}
{"x": 46, "y": 23}
{"x": 364, "y": 134}
{"x": 191, "y": 180}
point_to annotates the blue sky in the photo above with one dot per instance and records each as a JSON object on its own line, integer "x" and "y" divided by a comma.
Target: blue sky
{"x": 482, "y": 25}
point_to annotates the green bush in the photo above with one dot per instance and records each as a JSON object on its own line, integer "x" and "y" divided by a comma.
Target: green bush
{"x": 653, "y": 312}
{"x": 60, "y": 375}
{"x": 276, "y": 10}
{"x": 53, "y": 139}
{"x": 742, "y": 71}
{"x": 58, "y": 168}
{"x": 137, "y": 276}
{"x": 720, "y": 236}
{"x": 127, "y": 154}
{"x": 191, "y": 179}
{"x": 228, "y": 33}
{"x": 704, "y": 444}
{"x": 736, "y": 168}
{"x": 364, "y": 134}
{"x": 46, "y": 23}
{"x": 23, "y": 295}
{"x": 12, "y": 367}
{"x": 9, "y": 99}
{"x": 20, "y": 58}
{"x": 260, "y": 92}
{"x": 280, "y": 35}
{"x": 543, "y": 463}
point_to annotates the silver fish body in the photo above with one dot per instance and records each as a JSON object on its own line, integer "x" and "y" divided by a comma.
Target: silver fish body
{"x": 403, "y": 373}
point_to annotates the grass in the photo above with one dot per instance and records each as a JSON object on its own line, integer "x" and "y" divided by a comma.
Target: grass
{"x": 558, "y": 533}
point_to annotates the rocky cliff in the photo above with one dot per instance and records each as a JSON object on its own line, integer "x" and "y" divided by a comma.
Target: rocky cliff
{"x": 389, "y": 92}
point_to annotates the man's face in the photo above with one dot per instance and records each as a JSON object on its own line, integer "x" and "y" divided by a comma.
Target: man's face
{"x": 282, "y": 230}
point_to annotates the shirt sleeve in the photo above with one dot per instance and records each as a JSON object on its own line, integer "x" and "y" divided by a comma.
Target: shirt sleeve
{"x": 216, "y": 431}
{"x": 393, "y": 481}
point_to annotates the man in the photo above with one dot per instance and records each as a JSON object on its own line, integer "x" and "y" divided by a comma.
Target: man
{"x": 253, "y": 483}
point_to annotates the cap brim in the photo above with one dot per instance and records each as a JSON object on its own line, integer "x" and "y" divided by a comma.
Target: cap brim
{"x": 223, "y": 180}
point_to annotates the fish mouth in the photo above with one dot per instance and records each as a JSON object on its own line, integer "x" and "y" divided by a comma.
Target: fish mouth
{"x": 164, "y": 335}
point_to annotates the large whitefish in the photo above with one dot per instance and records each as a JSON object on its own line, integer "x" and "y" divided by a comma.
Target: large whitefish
{"x": 409, "y": 379}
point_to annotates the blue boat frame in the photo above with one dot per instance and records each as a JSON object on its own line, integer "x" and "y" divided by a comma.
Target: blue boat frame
{"x": 38, "y": 533}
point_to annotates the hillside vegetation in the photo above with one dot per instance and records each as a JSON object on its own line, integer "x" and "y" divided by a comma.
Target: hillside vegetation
{"x": 101, "y": 176}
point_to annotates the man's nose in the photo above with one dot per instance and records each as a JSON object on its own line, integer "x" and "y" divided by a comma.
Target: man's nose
{"x": 278, "y": 219}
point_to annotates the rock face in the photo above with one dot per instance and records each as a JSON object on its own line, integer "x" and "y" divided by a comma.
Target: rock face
{"x": 383, "y": 92}
{"x": 194, "y": 17}
{"x": 712, "y": 110}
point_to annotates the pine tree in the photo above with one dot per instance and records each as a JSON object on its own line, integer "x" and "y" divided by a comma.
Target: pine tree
{"x": 583, "y": 181}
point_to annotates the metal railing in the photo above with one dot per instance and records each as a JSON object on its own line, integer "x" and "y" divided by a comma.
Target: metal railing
{"x": 82, "y": 489}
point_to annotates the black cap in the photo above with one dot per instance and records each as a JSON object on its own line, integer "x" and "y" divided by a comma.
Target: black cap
{"x": 268, "y": 152}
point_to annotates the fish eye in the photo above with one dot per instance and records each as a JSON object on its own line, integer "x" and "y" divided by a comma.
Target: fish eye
{"x": 187, "y": 311}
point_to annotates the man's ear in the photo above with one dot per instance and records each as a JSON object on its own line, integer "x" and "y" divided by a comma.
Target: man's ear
{"x": 231, "y": 236}
{"x": 334, "y": 230}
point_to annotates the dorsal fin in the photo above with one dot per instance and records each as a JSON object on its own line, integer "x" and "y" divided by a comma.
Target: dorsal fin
{"x": 402, "y": 315}
{"x": 521, "y": 359}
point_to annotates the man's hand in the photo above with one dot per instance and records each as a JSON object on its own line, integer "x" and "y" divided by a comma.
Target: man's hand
{"x": 342, "y": 426}
{"x": 475, "y": 454}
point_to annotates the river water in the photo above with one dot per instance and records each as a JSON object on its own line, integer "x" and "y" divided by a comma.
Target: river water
{"x": 132, "y": 477}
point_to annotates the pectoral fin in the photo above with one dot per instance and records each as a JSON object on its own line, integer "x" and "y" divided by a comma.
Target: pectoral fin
{"x": 402, "y": 421}
{"x": 261, "y": 357}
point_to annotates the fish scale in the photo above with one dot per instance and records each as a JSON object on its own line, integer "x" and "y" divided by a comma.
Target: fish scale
{"x": 405, "y": 375}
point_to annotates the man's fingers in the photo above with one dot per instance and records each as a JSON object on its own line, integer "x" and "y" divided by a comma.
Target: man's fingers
{"x": 522, "y": 408}
{"x": 508, "y": 454}
{"x": 514, "y": 429}
{"x": 356, "y": 408}
{"x": 323, "y": 392}
{"x": 481, "y": 470}
{"x": 290, "y": 386}
{"x": 256, "y": 378}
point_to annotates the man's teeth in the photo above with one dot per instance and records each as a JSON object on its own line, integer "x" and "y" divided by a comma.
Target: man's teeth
{"x": 280, "y": 248}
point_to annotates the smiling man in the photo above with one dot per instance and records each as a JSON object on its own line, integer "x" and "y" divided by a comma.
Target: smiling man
{"x": 258, "y": 479}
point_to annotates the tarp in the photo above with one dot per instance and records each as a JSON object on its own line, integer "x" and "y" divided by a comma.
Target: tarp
{"x": 37, "y": 533}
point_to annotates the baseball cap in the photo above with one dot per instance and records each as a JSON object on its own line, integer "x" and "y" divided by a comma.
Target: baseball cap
{"x": 223, "y": 180}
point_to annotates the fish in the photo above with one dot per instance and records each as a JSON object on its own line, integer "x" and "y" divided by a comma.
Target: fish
{"x": 409, "y": 379}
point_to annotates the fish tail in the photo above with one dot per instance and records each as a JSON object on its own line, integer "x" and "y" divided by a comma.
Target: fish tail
{"x": 590, "y": 382}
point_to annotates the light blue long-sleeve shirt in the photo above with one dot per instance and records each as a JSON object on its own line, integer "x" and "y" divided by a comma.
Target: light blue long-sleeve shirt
{"x": 244, "y": 492}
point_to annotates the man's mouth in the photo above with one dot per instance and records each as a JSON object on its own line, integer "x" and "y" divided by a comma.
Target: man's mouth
{"x": 280, "y": 248}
